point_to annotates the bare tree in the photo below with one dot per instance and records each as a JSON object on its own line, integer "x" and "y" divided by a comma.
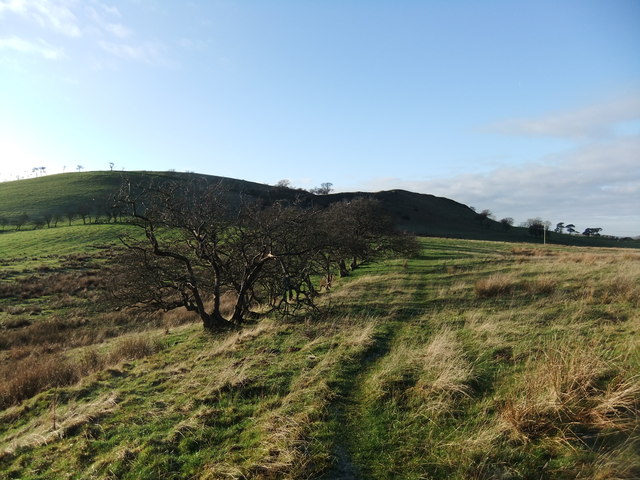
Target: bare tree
{"x": 284, "y": 183}
{"x": 21, "y": 220}
{"x": 592, "y": 232}
{"x": 485, "y": 217}
{"x": 201, "y": 242}
{"x": 507, "y": 223}
{"x": 48, "y": 218}
{"x": 200, "y": 245}
{"x": 111, "y": 164}
{"x": 359, "y": 231}
{"x": 70, "y": 215}
{"x": 84, "y": 212}
{"x": 536, "y": 226}
{"x": 324, "y": 189}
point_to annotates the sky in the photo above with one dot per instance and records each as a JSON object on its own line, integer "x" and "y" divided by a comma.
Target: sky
{"x": 526, "y": 108}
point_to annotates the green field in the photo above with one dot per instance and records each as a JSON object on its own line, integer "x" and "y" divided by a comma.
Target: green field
{"x": 472, "y": 360}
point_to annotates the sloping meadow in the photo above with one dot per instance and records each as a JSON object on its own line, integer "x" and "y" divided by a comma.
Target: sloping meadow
{"x": 473, "y": 360}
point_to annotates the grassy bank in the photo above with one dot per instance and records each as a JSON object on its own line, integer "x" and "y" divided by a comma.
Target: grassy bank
{"x": 474, "y": 360}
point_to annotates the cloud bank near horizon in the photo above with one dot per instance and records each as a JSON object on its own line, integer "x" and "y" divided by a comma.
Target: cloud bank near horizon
{"x": 596, "y": 183}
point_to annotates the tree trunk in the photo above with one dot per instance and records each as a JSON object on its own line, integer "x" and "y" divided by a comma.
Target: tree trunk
{"x": 250, "y": 276}
{"x": 343, "y": 269}
{"x": 215, "y": 321}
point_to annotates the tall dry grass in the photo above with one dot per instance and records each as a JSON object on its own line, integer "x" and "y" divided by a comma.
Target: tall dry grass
{"x": 569, "y": 392}
{"x": 35, "y": 373}
{"x": 495, "y": 285}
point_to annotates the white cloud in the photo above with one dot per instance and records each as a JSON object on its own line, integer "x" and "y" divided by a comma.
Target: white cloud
{"x": 41, "y": 47}
{"x": 110, "y": 9}
{"x": 118, "y": 30}
{"x": 595, "y": 185}
{"x": 55, "y": 15}
{"x": 595, "y": 121}
{"x": 147, "y": 53}
{"x": 96, "y": 22}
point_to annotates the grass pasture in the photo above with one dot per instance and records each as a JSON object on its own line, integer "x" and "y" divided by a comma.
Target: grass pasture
{"x": 475, "y": 360}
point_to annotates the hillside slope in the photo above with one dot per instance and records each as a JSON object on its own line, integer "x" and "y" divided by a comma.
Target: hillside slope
{"x": 420, "y": 214}
{"x": 472, "y": 360}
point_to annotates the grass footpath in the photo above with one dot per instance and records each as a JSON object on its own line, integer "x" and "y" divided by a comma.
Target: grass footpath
{"x": 475, "y": 360}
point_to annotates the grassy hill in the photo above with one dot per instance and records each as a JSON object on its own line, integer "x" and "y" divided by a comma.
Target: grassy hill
{"x": 67, "y": 191}
{"x": 471, "y": 360}
{"x": 421, "y": 214}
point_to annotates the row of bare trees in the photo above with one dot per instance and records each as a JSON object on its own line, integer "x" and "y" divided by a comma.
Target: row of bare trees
{"x": 51, "y": 218}
{"x": 200, "y": 241}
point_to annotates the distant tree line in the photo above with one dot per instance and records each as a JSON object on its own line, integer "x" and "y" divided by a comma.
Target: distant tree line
{"x": 96, "y": 212}
{"x": 536, "y": 227}
{"x": 325, "y": 188}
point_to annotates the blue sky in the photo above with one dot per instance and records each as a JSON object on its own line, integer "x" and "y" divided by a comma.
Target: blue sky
{"x": 529, "y": 109}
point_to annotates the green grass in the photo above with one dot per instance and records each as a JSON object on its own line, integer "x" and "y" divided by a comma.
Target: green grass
{"x": 69, "y": 191}
{"x": 60, "y": 241}
{"x": 420, "y": 369}
{"x": 57, "y": 193}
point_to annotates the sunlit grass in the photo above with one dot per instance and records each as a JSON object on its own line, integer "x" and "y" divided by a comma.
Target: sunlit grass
{"x": 474, "y": 360}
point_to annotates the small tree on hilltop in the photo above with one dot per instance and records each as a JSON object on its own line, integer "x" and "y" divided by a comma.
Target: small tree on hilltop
{"x": 592, "y": 232}
{"x": 284, "y": 183}
{"x": 506, "y": 223}
{"x": 485, "y": 217}
{"x": 536, "y": 227}
{"x": 324, "y": 189}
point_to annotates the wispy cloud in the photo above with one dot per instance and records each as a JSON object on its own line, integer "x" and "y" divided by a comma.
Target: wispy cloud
{"x": 98, "y": 24}
{"x": 110, "y": 9}
{"x": 118, "y": 30}
{"x": 148, "y": 53}
{"x": 40, "y": 47}
{"x": 56, "y": 15}
{"x": 595, "y": 121}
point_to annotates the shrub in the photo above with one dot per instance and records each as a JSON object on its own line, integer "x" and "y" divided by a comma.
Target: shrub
{"x": 132, "y": 348}
{"x": 35, "y": 375}
{"x": 545, "y": 284}
{"x": 495, "y": 285}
